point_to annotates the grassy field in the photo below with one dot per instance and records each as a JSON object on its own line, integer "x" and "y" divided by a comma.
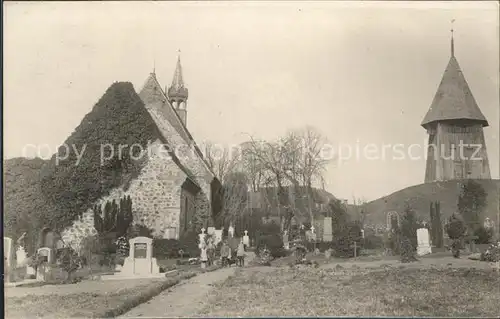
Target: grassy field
{"x": 88, "y": 299}
{"x": 342, "y": 291}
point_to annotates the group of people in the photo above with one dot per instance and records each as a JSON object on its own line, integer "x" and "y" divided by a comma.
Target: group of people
{"x": 226, "y": 254}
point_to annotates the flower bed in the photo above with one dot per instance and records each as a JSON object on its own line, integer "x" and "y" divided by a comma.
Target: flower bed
{"x": 492, "y": 254}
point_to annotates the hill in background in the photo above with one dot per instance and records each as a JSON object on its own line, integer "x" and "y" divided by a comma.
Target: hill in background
{"x": 420, "y": 196}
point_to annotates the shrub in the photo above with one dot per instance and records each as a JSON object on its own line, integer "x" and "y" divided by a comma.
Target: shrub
{"x": 271, "y": 228}
{"x": 167, "y": 248}
{"x": 68, "y": 260}
{"x": 123, "y": 247}
{"x": 373, "y": 242}
{"x": 455, "y": 228}
{"x": 274, "y": 243}
{"x": 409, "y": 228}
{"x": 407, "y": 250}
{"x": 484, "y": 235}
{"x": 139, "y": 230}
{"x": 345, "y": 239}
{"x": 492, "y": 254}
{"x": 114, "y": 218}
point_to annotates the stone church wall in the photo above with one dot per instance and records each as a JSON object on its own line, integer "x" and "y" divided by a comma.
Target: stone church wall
{"x": 155, "y": 195}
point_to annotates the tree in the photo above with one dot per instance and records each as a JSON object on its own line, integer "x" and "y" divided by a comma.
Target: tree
{"x": 235, "y": 195}
{"x": 359, "y": 209}
{"x": 306, "y": 162}
{"x": 221, "y": 160}
{"x": 69, "y": 261}
{"x": 456, "y": 230}
{"x": 436, "y": 224}
{"x": 115, "y": 218}
{"x": 408, "y": 240}
{"x": 471, "y": 203}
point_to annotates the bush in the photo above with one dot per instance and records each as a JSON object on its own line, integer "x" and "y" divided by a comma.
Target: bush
{"x": 167, "y": 248}
{"x": 68, "y": 260}
{"x": 483, "y": 234}
{"x": 269, "y": 229}
{"x": 407, "y": 250}
{"x": 373, "y": 242}
{"x": 345, "y": 239}
{"x": 274, "y": 243}
{"x": 139, "y": 230}
{"x": 455, "y": 228}
{"x": 492, "y": 254}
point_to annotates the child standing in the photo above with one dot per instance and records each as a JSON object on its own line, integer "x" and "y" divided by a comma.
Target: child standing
{"x": 210, "y": 252}
{"x": 225, "y": 251}
{"x": 241, "y": 254}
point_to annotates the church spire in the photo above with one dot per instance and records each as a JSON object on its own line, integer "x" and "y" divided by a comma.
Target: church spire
{"x": 177, "y": 81}
{"x": 452, "y": 40}
{"x": 177, "y": 93}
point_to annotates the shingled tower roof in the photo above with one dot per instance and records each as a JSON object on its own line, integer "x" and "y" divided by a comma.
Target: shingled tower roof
{"x": 453, "y": 99}
{"x": 177, "y": 89}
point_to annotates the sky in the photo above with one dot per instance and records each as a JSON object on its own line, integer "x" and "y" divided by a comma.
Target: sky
{"x": 360, "y": 73}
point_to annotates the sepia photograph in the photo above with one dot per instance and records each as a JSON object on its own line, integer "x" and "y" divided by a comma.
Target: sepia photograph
{"x": 182, "y": 159}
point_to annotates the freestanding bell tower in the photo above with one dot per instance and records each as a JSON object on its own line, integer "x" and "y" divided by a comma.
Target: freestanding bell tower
{"x": 178, "y": 94}
{"x": 454, "y": 123}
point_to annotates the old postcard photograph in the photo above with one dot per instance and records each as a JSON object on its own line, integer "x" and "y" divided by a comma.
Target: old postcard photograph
{"x": 169, "y": 159}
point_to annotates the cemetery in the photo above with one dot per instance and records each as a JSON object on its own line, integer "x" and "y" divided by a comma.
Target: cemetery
{"x": 420, "y": 253}
{"x": 146, "y": 222}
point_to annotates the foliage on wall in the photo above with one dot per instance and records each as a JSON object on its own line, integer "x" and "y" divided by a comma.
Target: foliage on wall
{"x": 93, "y": 165}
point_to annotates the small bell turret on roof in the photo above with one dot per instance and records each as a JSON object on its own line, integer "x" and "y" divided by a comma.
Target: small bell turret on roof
{"x": 177, "y": 91}
{"x": 453, "y": 99}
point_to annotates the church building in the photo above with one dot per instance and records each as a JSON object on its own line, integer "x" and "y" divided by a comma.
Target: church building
{"x": 176, "y": 190}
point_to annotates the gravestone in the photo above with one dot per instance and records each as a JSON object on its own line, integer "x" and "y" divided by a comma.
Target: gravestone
{"x": 328, "y": 253}
{"x": 48, "y": 253}
{"x": 246, "y": 239}
{"x": 327, "y": 229}
{"x": 21, "y": 256}
{"x": 424, "y": 246}
{"x": 230, "y": 231}
{"x": 140, "y": 261}
{"x": 43, "y": 271}
{"x": 286, "y": 242}
{"x": 310, "y": 235}
{"x": 211, "y": 230}
{"x": 218, "y": 236}
{"x": 8, "y": 258}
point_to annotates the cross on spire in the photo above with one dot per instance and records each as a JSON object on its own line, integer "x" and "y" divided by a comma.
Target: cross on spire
{"x": 452, "y": 41}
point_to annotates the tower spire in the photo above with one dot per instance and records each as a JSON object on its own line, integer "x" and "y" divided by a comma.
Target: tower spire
{"x": 452, "y": 41}
{"x": 177, "y": 93}
{"x": 177, "y": 81}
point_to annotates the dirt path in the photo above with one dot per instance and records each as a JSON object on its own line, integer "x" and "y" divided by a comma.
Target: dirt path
{"x": 183, "y": 300}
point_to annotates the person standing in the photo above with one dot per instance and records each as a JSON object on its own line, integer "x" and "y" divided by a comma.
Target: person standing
{"x": 225, "y": 251}
{"x": 210, "y": 251}
{"x": 241, "y": 254}
{"x": 203, "y": 255}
